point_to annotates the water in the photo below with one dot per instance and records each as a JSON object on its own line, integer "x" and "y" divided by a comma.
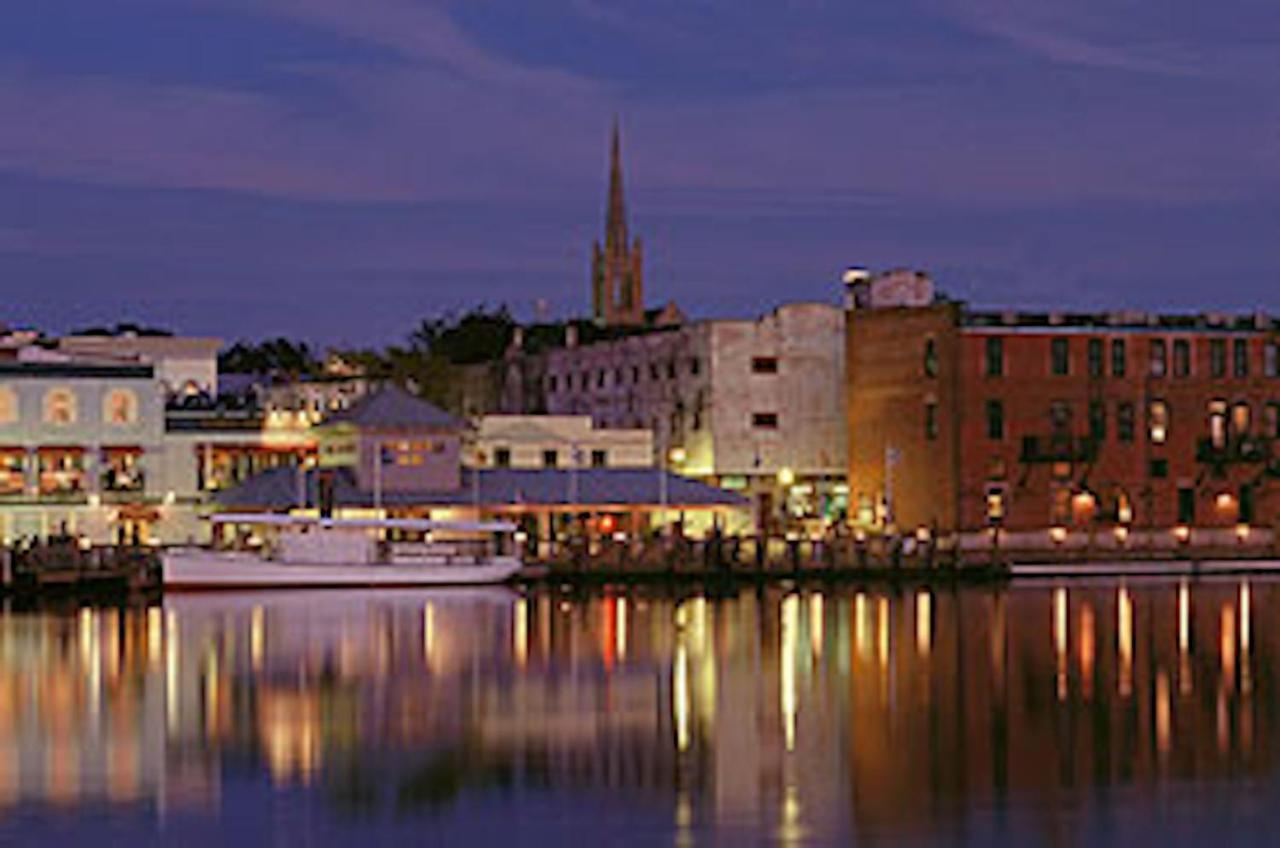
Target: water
{"x": 1102, "y": 713}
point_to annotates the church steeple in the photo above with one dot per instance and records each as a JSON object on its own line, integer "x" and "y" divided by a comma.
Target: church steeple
{"x": 617, "y": 282}
{"x": 616, "y": 216}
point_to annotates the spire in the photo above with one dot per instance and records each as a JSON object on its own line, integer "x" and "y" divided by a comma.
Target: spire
{"x": 615, "y": 233}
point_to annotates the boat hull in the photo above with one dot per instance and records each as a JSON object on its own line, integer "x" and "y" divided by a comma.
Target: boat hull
{"x": 196, "y": 569}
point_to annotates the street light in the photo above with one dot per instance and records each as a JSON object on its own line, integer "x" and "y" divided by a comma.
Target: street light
{"x": 786, "y": 476}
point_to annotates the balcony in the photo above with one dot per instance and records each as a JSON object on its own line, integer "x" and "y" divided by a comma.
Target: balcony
{"x": 1235, "y": 450}
{"x": 1047, "y": 449}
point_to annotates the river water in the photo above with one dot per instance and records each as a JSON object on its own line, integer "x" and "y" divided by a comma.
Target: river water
{"x": 1046, "y": 714}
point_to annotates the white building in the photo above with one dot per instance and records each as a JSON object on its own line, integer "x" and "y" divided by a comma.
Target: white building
{"x": 183, "y": 364}
{"x": 750, "y": 405}
{"x": 557, "y": 441}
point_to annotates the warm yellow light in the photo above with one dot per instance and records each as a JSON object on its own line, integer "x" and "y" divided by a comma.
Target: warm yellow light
{"x": 1122, "y": 534}
{"x": 1224, "y": 500}
{"x": 1182, "y": 533}
{"x": 1083, "y": 500}
{"x": 922, "y": 534}
{"x": 1058, "y": 534}
{"x": 786, "y": 477}
{"x": 677, "y": 456}
{"x": 1242, "y": 532}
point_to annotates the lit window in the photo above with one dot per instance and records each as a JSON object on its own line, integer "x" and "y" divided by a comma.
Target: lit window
{"x": 1240, "y": 418}
{"x": 59, "y": 407}
{"x": 1158, "y": 421}
{"x": 1218, "y": 423}
{"x": 120, "y": 407}
{"x": 8, "y": 406}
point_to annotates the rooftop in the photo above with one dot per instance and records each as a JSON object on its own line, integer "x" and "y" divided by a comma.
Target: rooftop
{"x": 277, "y": 489}
{"x": 391, "y": 407}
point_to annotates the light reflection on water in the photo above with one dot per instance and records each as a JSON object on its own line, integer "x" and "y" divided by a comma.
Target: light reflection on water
{"x": 1046, "y": 713}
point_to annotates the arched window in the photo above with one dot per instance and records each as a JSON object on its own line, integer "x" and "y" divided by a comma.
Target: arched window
{"x": 59, "y": 407}
{"x": 120, "y": 407}
{"x": 8, "y": 406}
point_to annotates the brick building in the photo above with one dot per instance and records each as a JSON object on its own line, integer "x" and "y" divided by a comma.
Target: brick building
{"x": 963, "y": 419}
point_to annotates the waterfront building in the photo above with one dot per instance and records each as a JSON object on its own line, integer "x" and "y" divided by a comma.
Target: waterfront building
{"x": 751, "y": 405}
{"x": 81, "y": 449}
{"x": 1092, "y": 425}
{"x": 184, "y": 365}
{"x": 393, "y": 454}
{"x": 556, "y": 441}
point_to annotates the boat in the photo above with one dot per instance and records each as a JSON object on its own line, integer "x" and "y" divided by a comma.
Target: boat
{"x": 292, "y": 551}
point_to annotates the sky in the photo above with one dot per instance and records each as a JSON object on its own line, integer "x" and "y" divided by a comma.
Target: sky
{"x": 336, "y": 170}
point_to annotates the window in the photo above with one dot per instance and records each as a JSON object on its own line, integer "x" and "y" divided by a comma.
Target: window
{"x": 13, "y": 473}
{"x": 1097, "y": 420}
{"x": 653, "y": 370}
{"x": 1158, "y": 422}
{"x": 930, "y": 358}
{"x": 765, "y": 420}
{"x": 1240, "y": 358}
{"x": 1240, "y": 418}
{"x": 599, "y": 458}
{"x": 1095, "y": 357}
{"x": 1118, "y": 358}
{"x": 1181, "y": 358}
{"x": 61, "y": 470}
{"x": 8, "y": 406}
{"x": 635, "y": 373}
{"x": 1159, "y": 358}
{"x": 1186, "y": 505}
{"x": 671, "y": 370}
{"x": 995, "y": 420}
{"x": 120, "y": 407}
{"x": 1060, "y": 357}
{"x": 1124, "y": 421}
{"x": 1218, "y": 423}
{"x": 1060, "y": 418}
{"x": 1271, "y": 359}
{"x": 550, "y": 459}
{"x": 764, "y": 365}
{"x": 1217, "y": 358}
{"x": 122, "y": 470}
{"x": 1158, "y": 468}
{"x": 995, "y": 357}
{"x": 1246, "y": 504}
{"x": 695, "y": 366}
{"x": 600, "y": 379}
{"x": 1273, "y": 420}
{"x": 502, "y": 457}
{"x": 931, "y": 420}
{"x": 59, "y": 407}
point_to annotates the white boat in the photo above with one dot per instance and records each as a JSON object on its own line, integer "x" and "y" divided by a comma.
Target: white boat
{"x": 287, "y": 551}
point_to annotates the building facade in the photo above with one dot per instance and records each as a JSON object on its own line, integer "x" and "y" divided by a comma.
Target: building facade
{"x": 556, "y": 441}
{"x": 752, "y": 405}
{"x": 82, "y": 450}
{"x": 962, "y": 419}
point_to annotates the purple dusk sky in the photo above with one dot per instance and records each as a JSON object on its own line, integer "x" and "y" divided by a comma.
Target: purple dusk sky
{"x": 337, "y": 169}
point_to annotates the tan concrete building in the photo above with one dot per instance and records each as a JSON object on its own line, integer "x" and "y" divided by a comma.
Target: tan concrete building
{"x": 556, "y": 441}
